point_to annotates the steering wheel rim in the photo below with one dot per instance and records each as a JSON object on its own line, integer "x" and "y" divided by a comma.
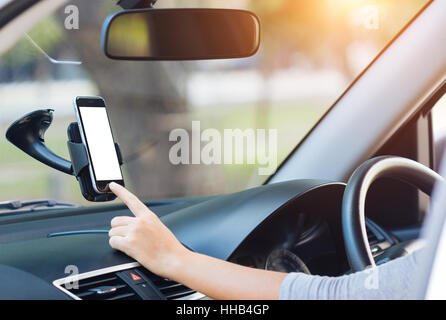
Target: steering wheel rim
{"x": 353, "y": 204}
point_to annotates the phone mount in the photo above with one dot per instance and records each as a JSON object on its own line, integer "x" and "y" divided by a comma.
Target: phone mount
{"x": 28, "y": 134}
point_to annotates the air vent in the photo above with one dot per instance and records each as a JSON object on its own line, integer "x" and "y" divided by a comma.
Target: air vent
{"x": 104, "y": 287}
{"x": 170, "y": 290}
{"x": 124, "y": 282}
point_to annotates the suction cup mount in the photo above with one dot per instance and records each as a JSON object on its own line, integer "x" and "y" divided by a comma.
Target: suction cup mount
{"x": 28, "y": 134}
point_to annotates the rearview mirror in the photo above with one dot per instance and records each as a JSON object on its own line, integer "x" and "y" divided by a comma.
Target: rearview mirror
{"x": 180, "y": 34}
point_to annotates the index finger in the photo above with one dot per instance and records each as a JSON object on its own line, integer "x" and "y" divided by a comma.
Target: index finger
{"x": 131, "y": 201}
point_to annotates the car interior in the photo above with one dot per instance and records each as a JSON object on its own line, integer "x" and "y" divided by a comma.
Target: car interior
{"x": 352, "y": 193}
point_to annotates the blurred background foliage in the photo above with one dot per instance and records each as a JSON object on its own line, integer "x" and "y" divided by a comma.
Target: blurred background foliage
{"x": 311, "y": 50}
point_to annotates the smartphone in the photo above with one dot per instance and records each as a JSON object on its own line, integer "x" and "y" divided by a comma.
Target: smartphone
{"x": 97, "y": 136}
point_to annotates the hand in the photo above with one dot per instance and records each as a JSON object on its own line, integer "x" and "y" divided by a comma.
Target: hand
{"x": 144, "y": 237}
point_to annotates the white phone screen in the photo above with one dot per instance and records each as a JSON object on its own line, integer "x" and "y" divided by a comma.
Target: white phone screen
{"x": 100, "y": 143}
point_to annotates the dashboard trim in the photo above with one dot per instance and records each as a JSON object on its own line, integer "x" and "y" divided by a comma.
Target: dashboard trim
{"x": 59, "y": 283}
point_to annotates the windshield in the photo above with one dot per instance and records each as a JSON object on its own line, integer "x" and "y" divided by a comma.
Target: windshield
{"x": 311, "y": 50}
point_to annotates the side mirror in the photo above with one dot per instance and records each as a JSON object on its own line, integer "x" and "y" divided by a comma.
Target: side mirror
{"x": 180, "y": 34}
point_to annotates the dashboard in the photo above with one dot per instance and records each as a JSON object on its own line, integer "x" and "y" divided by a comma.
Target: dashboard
{"x": 292, "y": 226}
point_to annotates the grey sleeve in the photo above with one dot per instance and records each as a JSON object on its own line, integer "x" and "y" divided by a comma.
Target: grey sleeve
{"x": 392, "y": 280}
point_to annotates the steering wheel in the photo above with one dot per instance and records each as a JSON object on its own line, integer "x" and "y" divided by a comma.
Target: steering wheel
{"x": 357, "y": 245}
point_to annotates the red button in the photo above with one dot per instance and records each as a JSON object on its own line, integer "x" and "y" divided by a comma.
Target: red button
{"x": 135, "y": 277}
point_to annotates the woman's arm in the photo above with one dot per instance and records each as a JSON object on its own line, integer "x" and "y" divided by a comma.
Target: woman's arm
{"x": 146, "y": 239}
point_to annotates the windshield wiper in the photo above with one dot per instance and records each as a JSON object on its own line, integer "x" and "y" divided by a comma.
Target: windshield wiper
{"x": 34, "y": 205}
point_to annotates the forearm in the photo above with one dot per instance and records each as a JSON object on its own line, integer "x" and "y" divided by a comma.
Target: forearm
{"x": 219, "y": 279}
